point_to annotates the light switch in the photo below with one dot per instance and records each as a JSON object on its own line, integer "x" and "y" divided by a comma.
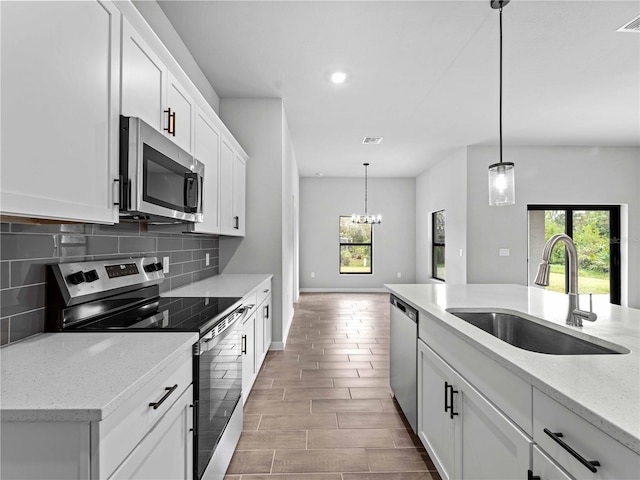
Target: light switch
{"x": 165, "y": 264}
{"x": 206, "y": 259}
{"x": 503, "y": 252}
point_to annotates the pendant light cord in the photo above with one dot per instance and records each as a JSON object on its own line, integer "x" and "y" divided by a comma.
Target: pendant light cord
{"x": 500, "y": 83}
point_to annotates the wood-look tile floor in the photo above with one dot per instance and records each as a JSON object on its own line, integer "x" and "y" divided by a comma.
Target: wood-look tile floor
{"x": 322, "y": 409}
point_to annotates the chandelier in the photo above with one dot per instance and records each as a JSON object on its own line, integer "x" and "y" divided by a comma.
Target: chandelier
{"x": 366, "y": 218}
{"x": 501, "y": 174}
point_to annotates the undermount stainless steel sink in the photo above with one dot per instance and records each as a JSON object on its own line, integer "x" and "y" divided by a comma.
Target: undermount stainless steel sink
{"x": 528, "y": 335}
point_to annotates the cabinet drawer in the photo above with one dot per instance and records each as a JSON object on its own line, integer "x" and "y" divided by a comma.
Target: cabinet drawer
{"x": 121, "y": 431}
{"x": 617, "y": 462}
{"x": 263, "y": 291}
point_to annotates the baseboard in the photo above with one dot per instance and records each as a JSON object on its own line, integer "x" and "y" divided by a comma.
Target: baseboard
{"x": 281, "y": 345}
{"x": 344, "y": 290}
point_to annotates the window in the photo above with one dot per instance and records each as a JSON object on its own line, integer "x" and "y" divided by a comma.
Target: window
{"x": 595, "y": 231}
{"x": 437, "y": 245}
{"x": 356, "y": 247}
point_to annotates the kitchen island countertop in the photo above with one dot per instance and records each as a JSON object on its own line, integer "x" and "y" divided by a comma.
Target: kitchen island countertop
{"x": 602, "y": 389}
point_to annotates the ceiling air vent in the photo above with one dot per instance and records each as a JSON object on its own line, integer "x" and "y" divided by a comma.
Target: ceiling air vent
{"x": 371, "y": 140}
{"x": 632, "y": 26}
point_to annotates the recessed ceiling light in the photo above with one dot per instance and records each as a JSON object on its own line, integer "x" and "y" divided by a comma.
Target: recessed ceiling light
{"x": 318, "y": 174}
{"x": 371, "y": 140}
{"x": 338, "y": 77}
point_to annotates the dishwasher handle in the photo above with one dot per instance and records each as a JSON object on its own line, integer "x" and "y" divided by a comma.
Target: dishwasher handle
{"x": 407, "y": 310}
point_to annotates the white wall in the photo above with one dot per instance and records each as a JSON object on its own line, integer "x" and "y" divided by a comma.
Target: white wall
{"x": 443, "y": 187}
{"x": 323, "y": 200}
{"x": 272, "y": 181}
{"x": 549, "y": 175}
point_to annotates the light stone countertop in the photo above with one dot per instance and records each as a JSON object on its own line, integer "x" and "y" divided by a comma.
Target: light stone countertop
{"x": 82, "y": 376}
{"x": 602, "y": 389}
{"x": 223, "y": 285}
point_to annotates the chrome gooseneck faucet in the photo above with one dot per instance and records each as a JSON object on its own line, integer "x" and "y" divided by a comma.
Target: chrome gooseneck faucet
{"x": 574, "y": 315}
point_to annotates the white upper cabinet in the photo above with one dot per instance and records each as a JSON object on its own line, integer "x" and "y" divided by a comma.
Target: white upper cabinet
{"x": 60, "y": 104}
{"x": 239, "y": 195}
{"x": 150, "y": 91}
{"x": 207, "y": 150}
{"x": 144, "y": 79}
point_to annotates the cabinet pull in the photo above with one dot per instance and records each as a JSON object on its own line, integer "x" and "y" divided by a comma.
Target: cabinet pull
{"x": 590, "y": 464}
{"x": 266, "y": 290}
{"x": 450, "y": 399}
{"x": 266, "y": 311}
{"x": 531, "y": 476}
{"x": 244, "y": 344}
{"x": 169, "y": 390}
{"x": 236, "y": 221}
{"x": 117, "y": 182}
{"x": 171, "y": 122}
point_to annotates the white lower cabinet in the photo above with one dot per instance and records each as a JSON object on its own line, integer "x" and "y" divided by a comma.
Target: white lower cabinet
{"x": 466, "y": 436}
{"x": 580, "y": 448}
{"x": 544, "y": 468}
{"x": 166, "y": 452}
{"x": 248, "y": 354}
{"x": 135, "y": 441}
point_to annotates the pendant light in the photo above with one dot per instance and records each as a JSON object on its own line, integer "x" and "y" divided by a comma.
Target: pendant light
{"x": 366, "y": 218}
{"x": 502, "y": 174}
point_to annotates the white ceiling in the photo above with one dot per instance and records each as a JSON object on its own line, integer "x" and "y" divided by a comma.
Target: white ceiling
{"x": 422, "y": 74}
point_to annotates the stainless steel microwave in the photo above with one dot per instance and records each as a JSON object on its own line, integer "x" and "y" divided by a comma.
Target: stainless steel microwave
{"x": 159, "y": 181}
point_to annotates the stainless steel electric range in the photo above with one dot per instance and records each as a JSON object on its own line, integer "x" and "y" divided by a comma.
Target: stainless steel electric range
{"x": 123, "y": 295}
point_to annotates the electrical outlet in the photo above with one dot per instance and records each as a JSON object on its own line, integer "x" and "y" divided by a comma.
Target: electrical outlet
{"x": 313, "y": 274}
{"x": 460, "y": 252}
{"x": 503, "y": 252}
{"x": 206, "y": 259}
{"x": 165, "y": 264}
{"x": 399, "y": 274}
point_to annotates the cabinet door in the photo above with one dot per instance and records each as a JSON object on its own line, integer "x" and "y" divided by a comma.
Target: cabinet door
{"x": 60, "y": 104}
{"x": 239, "y": 195}
{"x": 545, "y": 468}
{"x": 248, "y": 356}
{"x": 435, "y": 427}
{"x": 167, "y": 451}
{"x": 226, "y": 189}
{"x": 259, "y": 340}
{"x": 144, "y": 80}
{"x": 268, "y": 323}
{"x": 183, "y": 113}
{"x": 490, "y": 446}
{"x": 207, "y": 150}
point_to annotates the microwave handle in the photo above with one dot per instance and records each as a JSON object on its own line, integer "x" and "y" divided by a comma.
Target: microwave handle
{"x": 191, "y": 192}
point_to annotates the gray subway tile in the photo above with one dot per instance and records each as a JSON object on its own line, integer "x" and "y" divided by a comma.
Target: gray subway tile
{"x": 4, "y": 330}
{"x": 25, "y": 325}
{"x": 70, "y": 228}
{"x": 119, "y": 229}
{"x": 137, "y": 244}
{"x": 208, "y": 243}
{"x": 22, "y": 299}
{"x": 28, "y": 272}
{"x": 102, "y": 245}
{"x": 5, "y": 277}
{"x": 174, "y": 270}
{"x": 5, "y": 227}
{"x": 19, "y": 246}
{"x": 167, "y": 244}
{"x": 206, "y": 273}
{"x": 181, "y": 256}
{"x": 181, "y": 280}
{"x": 190, "y": 267}
{"x": 191, "y": 244}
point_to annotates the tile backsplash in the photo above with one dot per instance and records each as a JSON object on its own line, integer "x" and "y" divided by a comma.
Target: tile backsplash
{"x": 26, "y": 250}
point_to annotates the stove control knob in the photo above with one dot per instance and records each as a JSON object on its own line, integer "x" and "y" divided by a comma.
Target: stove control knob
{"x": 150, "y": 268}
{"x": 76, "y": 278}
{"x": 159, "y": 267}
{"x": 91, "y": 276}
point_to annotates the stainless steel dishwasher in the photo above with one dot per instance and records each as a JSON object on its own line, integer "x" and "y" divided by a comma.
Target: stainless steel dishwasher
{"x": 403, "y": 358}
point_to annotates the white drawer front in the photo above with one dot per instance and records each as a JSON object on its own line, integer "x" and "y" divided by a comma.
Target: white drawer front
{"x": 121, "y": 431}
{"x": 263, "y": 291}
{"x": 617, "y": 462}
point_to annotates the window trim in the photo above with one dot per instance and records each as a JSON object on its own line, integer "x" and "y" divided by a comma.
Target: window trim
{"x": 341, "y": 244}
{"x": 434, "y": 244}
{"x": 615, "y": 274}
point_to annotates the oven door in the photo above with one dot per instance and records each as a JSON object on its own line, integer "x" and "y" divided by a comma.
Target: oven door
{"x": 218, "y": 402}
